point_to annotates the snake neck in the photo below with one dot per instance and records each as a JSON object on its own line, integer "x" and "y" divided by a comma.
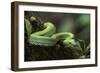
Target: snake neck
{"x": 49, "y": 30}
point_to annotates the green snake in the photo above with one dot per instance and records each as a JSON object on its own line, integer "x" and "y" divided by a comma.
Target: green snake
{"x": 48, "y": 36}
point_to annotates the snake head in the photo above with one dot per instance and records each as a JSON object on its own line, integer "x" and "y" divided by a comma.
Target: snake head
{"x": 69, "y": 42}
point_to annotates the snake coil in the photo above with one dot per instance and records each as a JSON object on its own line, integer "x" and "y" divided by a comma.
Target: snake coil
{"x": 48, "y": 36}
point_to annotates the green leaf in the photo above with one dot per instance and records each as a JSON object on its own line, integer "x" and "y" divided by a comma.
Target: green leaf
{"x": 28, "y": 27}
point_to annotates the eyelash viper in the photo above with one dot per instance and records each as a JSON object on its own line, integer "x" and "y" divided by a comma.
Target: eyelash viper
{"x": 48, "y": 36}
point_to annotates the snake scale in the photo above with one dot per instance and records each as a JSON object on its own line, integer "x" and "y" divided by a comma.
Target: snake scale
{"x": 48, "y": 36}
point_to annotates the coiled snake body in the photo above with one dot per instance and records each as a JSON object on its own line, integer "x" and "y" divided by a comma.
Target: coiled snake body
{"x": 48, "y": 36}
